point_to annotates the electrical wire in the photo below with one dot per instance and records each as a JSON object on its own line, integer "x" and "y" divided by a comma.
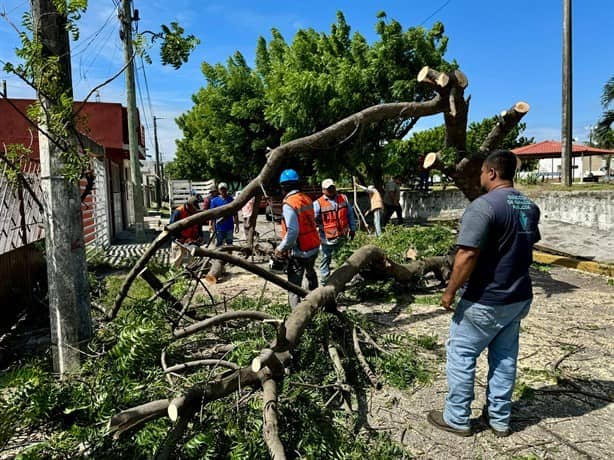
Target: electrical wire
{"x": 436, "y": 11}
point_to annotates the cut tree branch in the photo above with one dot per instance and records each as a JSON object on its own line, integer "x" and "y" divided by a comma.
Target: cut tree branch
{"x": 270, "y": 427}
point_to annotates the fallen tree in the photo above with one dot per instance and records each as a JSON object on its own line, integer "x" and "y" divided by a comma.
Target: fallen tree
{"x": 273, "y": 363}
{"x": 449, "y": 100}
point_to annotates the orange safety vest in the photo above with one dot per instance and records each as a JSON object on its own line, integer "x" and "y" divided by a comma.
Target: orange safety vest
{"x": 190, "y": 233}
{"x": 336, "y": 223}
{"x": 308, "y": 237}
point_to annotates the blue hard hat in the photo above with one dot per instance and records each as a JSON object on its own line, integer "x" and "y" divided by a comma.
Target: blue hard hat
{"x": 289, "y": 175}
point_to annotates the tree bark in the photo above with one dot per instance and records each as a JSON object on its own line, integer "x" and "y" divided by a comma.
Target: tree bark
{"x": 221, "y": 319}
{"x": 137, "y": 416}
{"x": 270, "y": 427}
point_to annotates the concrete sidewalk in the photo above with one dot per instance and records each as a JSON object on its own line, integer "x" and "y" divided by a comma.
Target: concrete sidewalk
{"x": 577, "y": 241}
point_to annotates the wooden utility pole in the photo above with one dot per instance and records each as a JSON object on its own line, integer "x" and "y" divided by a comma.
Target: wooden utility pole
{"x": 69, "y": 304}
{"x": 566, "y": 124}
{"x": 133, "y": 138}
{"x": 158, "y": 171}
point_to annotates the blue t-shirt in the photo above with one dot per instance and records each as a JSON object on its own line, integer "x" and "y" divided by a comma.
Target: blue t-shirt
{"x": 222, "y": 224}
{"x": 503, "y": 224}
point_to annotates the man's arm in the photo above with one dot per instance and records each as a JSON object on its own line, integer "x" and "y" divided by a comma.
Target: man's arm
{"x": 464, "y": 264}
{"x": 291, "y": 220}
{"x": 175, "y": 216}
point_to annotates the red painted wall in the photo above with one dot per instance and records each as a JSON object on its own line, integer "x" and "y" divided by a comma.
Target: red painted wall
{"x": 105, "y": 123}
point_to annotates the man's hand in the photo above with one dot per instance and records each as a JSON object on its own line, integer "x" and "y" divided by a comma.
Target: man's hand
{"x": 280, "y": 254}
{"x": 447, "y": 301}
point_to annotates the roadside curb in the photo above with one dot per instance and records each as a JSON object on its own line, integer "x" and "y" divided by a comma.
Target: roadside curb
{"x": 570, "y": 262}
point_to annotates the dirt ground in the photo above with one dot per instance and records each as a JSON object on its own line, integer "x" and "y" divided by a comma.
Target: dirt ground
{"x": 569, "y": 329}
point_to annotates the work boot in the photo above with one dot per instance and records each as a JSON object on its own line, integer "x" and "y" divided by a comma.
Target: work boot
{"x": 486, "y": 422}
{"x": 435, "y": 418}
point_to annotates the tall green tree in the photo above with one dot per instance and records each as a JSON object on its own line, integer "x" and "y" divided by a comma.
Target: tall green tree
{"x": 604, "y": 133}
{"x": 304, "y": 86}
{"x": 225, "y": 134}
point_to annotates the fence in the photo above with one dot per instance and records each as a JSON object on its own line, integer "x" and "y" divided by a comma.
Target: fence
{"x": 21, "y": 217}
{"x": 96, "y": 210}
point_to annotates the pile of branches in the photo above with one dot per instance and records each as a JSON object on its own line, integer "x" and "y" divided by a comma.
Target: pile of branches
{"x": 275, "y": 361}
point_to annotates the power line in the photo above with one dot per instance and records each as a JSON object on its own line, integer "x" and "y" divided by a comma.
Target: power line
{"x": 436, "y": 11}
{"x": 143, "y": 111}
{"x": 146, "y": 87}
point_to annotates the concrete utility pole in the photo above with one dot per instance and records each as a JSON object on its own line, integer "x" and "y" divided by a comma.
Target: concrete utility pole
{"x": 158, "y": 170}
{"x": 566, "y": 122}
{"x": 133, "y": 138}
{"x": 69, "y": 303}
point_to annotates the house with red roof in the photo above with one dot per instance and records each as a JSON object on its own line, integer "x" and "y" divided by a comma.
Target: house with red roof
{"x": 586, "y": 160}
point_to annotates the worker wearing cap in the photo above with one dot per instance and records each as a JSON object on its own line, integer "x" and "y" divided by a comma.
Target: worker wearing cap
{"x": 189, "y": 235}
{"x": 300, "y": 240}
{"x": 335, "y": 220}
{"x": 223, "y": 226}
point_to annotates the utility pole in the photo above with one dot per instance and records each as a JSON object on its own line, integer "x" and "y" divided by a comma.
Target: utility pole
{"x": 158, "y": 171}
{"x": 566, "y": 124}
{"x": 69, "y": 303}
{"x": 133, "y": 138}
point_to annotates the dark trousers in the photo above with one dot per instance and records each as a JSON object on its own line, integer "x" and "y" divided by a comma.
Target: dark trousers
{"x": 297, "y": 266}
{"x": 389, "y": 210}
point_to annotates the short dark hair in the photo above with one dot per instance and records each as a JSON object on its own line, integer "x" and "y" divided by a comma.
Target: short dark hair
{"x": 504, "y": 162}
{"x": 290, "y": 185}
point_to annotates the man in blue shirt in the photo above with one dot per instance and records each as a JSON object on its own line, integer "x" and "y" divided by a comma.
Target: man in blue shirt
{"x": 495, "y": 248}
{"x": 223, "y": 226}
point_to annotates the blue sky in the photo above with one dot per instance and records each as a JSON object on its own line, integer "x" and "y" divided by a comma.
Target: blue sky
{"x": 510, "y": 51}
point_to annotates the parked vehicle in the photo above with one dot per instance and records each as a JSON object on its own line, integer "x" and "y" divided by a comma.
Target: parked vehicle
{"x": 273, "y": 208}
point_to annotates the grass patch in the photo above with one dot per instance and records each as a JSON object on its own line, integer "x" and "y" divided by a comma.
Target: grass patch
{"x": 427, "y": 299}
{"x": 544, "y": 268}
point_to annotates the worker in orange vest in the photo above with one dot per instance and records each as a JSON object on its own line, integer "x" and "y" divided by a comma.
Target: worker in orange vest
{"x": 335, "y": 220}
{"x": 189, "y": 235}
{"x": 300, "y": 240}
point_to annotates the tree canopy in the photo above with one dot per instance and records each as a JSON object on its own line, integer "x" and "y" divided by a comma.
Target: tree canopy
{"x": 304, "y": 86}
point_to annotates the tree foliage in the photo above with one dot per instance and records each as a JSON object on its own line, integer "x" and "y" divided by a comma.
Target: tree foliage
{"x": 123, "y": 370}
{"x": 604, "y": 132}
{"x": 304, "y": 86}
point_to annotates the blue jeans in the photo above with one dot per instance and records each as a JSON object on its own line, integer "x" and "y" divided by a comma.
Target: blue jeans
{"x": 223, "y": 236}
{"x": 327, "y": 251}
{"x": 475, "y": 327}
{"x": 377, "y": 221}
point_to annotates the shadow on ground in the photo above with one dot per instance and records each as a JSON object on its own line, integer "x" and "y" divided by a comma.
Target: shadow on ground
{"x": 545, "y": 281}
{"x": 569, "y": 399}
